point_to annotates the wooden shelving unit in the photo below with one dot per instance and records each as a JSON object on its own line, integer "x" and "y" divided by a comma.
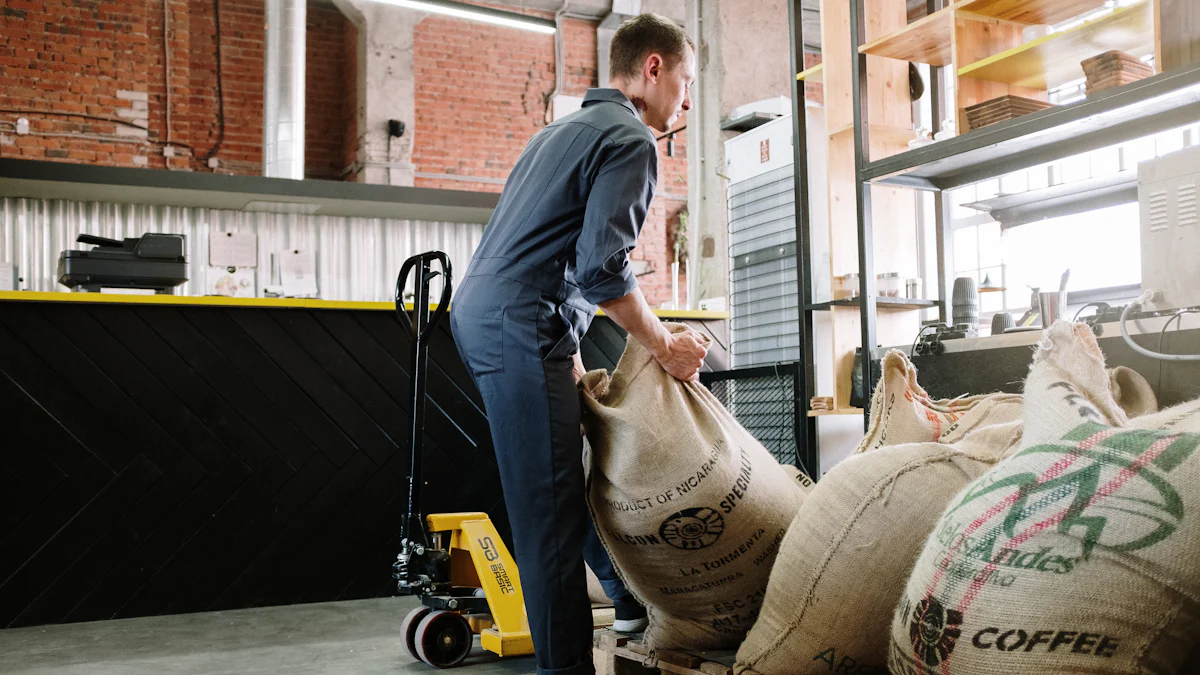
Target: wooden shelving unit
{"x": 1117, "y": 115}
{"x": 927, "y": 40}
{"x": 1032, "y": 12}
{"x": 841, "y": 411}
{"x": 1053, "y": 60}
{"x": 979, "y": 44}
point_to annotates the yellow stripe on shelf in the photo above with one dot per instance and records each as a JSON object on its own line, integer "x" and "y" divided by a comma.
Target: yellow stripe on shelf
{"x": 1054, "y": 60}
{"x": 815, "y": 74}
{"x": 267, "y": 303}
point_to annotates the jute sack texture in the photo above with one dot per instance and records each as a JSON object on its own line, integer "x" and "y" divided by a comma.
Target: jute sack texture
{"x": 1132, "y": 392}
{"x": 1077, "y": 554}
{"x": 595, "y": 591}
{"x": 843, "y": 565}
{"x": 690, "y": 506}
{"x": 903, "y": 412}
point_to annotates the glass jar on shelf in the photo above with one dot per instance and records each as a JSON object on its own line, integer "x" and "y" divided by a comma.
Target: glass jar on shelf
{"x": 846, "y": 286}
{"x": 888, "y": 285}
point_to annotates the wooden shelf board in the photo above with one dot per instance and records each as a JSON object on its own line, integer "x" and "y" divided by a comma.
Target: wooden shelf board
{"x": 1031, "y": 11}
{"x": 897, "y": 304}
{"x": 927, "y": 40}
{"x": 839, "y": 411}
{"x": 815, "y": 74}
{"x": 1053, "y": 60}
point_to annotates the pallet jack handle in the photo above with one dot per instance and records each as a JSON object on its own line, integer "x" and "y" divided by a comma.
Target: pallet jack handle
{"x": 420, "y": 328}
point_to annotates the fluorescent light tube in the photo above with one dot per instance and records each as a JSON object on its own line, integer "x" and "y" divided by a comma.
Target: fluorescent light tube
{"x": 472, "y": 13}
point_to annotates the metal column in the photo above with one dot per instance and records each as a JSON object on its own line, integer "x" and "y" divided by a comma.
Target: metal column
{"x": 941, "y": 201}
{"x": 807, "y": 452}
{"x": 866, "y": 240}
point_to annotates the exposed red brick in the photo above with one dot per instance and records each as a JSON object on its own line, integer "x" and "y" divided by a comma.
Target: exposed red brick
{"x": 481, "y": 94}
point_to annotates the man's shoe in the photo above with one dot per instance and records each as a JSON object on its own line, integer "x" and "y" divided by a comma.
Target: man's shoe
{"x": 631, "y": 618}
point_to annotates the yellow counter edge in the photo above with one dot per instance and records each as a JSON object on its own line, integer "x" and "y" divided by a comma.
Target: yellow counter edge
{"x": 270, "y": 303}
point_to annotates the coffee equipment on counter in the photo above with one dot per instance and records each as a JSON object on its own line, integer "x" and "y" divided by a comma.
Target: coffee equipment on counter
{"x": 931, "y": 343}
{"x": 966, "y": 302}
{"x": 152, "y": 261}
{"x": 1001, "y": 321}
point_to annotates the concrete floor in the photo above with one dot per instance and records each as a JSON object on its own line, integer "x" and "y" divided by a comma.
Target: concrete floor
{"x": 359, "y": 637}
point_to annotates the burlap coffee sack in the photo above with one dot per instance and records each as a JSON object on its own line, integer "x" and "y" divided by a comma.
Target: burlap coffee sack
{"x": 848, "y": 553}
{"x": 1078, "y": 554}
{"x": 799, "y": 477}
{"x": 690, "y": 506}
{"x": 1183, "y": 417}
{"x": 902, "y": 411}
{"x": 595, "y": 591}
{"x": 1132, "y": 392}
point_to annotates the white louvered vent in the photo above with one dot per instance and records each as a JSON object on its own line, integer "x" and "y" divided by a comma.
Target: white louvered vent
{"x": 1159, "y": 216}
{"x": 1188, "y": 215}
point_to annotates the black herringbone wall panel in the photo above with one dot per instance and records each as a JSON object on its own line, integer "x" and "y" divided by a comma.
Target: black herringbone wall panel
{"x": 160, "y": 459}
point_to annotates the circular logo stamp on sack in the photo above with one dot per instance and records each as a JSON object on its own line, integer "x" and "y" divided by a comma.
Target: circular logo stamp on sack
{"x": 692, "y": 529}
{"x": 934, "y": 630}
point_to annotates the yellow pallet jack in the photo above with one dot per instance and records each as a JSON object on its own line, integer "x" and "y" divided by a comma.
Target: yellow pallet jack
{"x": 455, "y": 562}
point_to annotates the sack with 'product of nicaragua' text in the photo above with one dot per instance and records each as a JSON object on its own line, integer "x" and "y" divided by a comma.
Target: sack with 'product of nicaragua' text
{"x": 902, "y": 412}
{"x": 1077, "y": 554}
{"x": 690, "y": 506}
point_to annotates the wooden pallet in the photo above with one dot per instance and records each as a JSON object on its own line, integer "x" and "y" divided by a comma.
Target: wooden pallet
{"x": 617, "y": 654}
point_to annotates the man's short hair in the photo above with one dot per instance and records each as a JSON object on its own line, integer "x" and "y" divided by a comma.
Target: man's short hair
{"x": 642, "y": 36}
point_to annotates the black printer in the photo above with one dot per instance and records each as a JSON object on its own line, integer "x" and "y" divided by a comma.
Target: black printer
{"x": 151, "y": 261}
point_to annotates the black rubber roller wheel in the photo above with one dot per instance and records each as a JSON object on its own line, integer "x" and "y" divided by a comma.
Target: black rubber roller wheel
{"x": 408, "y": 630}
{"x": 444, "y": 639}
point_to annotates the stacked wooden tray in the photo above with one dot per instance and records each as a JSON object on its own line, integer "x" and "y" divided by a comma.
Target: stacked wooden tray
{"x": 1113, "y": 69}
{"x": 1001, "y": 110}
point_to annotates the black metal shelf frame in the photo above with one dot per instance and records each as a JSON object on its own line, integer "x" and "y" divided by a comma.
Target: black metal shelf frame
{"x": 1158, "y": 103}
{"x": 807, "y": 450}
{"x": 868, "y": 303}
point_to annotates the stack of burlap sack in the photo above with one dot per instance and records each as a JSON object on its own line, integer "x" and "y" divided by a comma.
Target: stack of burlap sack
{"x": 1024, "y": 535}
{"x": 991, "y": 534}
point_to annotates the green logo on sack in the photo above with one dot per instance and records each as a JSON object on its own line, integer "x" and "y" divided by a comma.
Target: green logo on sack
{"x": 1101, "y": 475}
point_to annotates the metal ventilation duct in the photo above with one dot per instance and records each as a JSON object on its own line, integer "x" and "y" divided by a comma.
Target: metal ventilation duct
{"x": 283, "y": 99}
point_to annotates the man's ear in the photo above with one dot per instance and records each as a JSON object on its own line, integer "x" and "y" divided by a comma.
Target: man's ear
{"x": 654, "y": 68}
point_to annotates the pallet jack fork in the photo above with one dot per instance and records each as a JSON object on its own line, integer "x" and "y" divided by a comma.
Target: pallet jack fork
{"x": 455, "y": 562}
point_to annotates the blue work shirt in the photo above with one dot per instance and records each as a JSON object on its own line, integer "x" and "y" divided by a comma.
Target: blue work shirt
{"x": 574, "y": 204}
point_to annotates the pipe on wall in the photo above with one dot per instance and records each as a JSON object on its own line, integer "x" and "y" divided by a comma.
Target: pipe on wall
{"x": 283, "y": 94}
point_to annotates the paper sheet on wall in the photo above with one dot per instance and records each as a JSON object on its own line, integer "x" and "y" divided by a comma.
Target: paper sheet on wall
{"x": 298, "y": 273}
{"x": 232, "y": 282}
{"x": 233, "y": 249}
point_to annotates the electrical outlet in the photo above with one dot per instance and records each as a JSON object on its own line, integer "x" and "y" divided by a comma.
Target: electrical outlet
{"x": 168, "y": 151}
{"x": 213, "y": 163}
{"x": 22, "y": 126}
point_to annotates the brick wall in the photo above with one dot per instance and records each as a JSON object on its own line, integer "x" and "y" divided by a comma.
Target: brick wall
{"x": 106, "y": 59}
{"x": 481, "y": 94}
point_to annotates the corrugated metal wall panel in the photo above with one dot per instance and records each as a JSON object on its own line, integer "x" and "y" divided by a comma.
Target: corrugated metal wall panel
{"x": 357, "y": 258}
{"x": 763, "y": 285}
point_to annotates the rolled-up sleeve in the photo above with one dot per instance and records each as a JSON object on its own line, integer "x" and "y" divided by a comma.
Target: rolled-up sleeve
{"x": 616, "y": 208}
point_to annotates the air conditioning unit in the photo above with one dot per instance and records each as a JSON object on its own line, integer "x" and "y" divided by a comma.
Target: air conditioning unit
{"x": 1169, "y": 195}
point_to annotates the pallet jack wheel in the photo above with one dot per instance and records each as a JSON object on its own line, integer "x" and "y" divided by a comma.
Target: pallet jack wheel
{"x": 444, "y": 639}
{"x": 408, "y": 630}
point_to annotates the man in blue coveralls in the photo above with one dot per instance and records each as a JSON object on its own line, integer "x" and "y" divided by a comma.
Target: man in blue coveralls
{"x": 556, "y": 247}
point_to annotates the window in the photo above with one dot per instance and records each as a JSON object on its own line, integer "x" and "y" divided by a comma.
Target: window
{"x": 1102, "y": 248}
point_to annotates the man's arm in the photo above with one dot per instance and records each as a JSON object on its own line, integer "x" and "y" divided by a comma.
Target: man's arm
{"x": 617, "y": 205}
{"x": 680, "y": 354}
